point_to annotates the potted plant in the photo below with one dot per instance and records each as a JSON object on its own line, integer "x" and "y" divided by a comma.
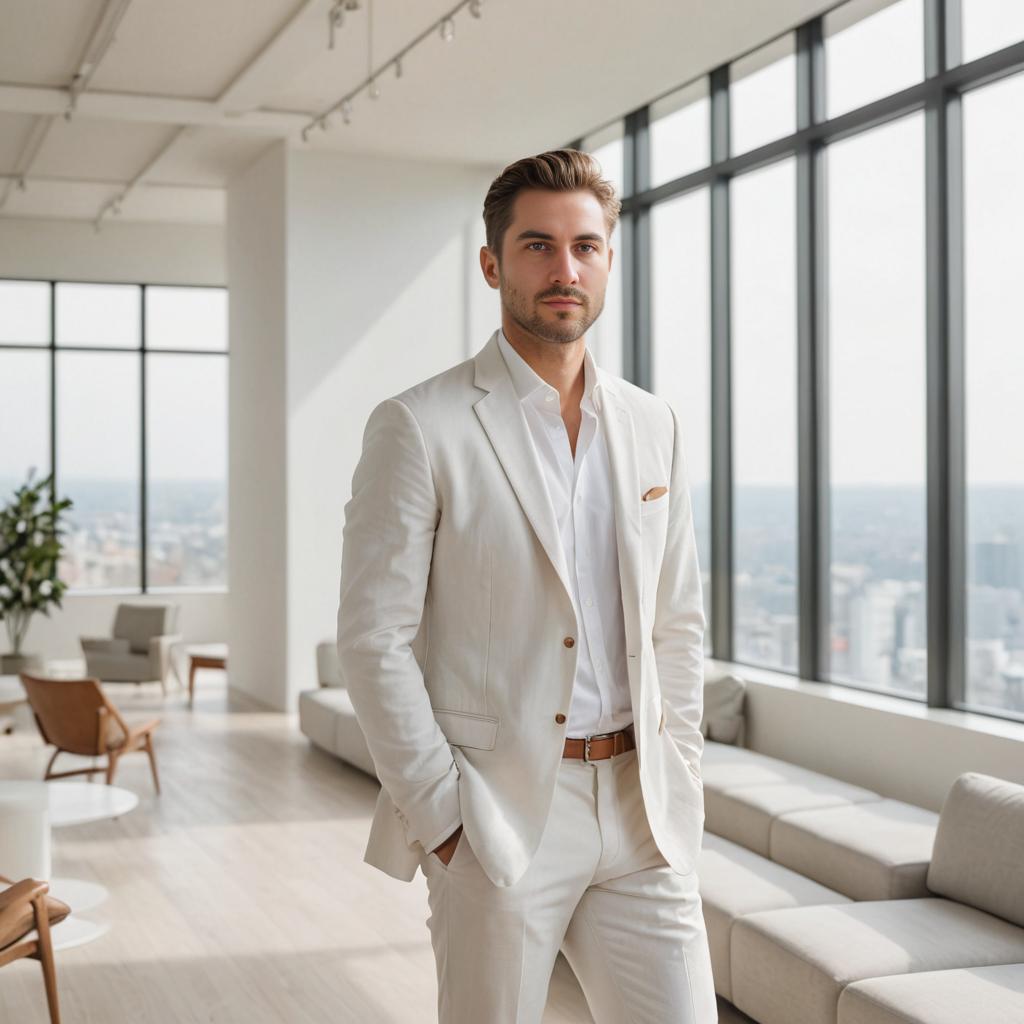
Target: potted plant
{"x": 30, "y": 548}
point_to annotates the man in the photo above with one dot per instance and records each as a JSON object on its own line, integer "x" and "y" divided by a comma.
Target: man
{"x": 521, "y": 632}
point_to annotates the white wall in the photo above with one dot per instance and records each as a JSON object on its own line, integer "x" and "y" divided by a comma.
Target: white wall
{"x": 120, "y": 252}
{"x": 381, "y": 295}
{"x": 257, "y": 428}
{"x": 350, "y": 280}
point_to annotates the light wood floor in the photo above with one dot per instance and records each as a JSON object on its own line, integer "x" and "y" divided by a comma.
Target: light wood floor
{"x": 240, "y": 894}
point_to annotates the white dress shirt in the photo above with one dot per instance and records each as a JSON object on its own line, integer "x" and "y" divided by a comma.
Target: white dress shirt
{"x": 580, "y": 492}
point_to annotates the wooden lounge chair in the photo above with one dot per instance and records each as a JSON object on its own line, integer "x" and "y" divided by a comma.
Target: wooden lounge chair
{"x": 77, "y": 717}
{"x": 25, "y": 907}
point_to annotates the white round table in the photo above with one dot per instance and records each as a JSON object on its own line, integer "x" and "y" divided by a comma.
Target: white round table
{"x": 27, "y": 849}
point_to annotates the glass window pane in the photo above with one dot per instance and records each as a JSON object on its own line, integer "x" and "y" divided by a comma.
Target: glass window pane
{"x": 606, "y": 146}
{"x": 680, "y": 133}
{"x": 98, "y": 437}
{"x": 24, "y": 418}
{"x": 187, "y": 430}
{"x": 605, "y": 336}
{"x": 876, "y": 304}
{"x": 994, "y": 312}
{"x": 25, "y": 312}
{"x": 989, "y": 25}
{"x": 762, "y": 95}
{"x": 98, "y": 314}
{"x": 187, "y": 318}
{"x": 763, "y": 229}
{"x": 681, "y": 347}
{"x": 873, "y": 48}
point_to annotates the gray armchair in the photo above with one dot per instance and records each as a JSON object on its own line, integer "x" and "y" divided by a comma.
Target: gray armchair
{"x": 140, "y": 649}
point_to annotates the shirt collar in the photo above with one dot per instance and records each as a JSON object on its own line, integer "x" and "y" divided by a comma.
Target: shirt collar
{"x": 530, "y": 386}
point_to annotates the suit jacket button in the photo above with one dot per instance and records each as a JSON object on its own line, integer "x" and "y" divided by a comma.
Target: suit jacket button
{"x": 560, "y": 718}
{"x": 568, "y": 641}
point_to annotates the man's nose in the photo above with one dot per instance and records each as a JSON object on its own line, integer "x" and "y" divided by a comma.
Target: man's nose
{"x": 564, "y": 270}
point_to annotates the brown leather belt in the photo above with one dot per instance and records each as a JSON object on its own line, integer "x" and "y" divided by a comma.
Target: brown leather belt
{"x": 605, "y": 744}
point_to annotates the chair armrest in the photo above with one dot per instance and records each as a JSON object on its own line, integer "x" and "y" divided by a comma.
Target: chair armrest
{"x": 22, "y": 892}
{"x": 104, "y": 645}
{"x": 160, "y": 650}
{"x": 135, "y": 731}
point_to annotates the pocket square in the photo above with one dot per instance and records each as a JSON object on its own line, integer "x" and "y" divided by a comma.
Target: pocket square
{"x": 654, "y": 492}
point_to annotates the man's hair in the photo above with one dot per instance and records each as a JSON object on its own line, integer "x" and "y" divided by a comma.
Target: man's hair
{"x": 558, "y": 170}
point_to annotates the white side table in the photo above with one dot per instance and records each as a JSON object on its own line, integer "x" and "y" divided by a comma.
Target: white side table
{"x": 58, "y": 805}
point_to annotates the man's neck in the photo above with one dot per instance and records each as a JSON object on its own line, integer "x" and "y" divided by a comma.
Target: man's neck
{"x": 559, "y": 364}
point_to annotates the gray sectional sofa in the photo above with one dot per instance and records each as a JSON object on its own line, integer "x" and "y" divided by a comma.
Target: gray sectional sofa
{"x": 827, "y": 903}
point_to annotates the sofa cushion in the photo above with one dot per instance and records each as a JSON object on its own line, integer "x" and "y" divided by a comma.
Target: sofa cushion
{"x": 328, "y": 667}
{"x": 745, "y": 814}
{"x": 789, "y": 966}
{"x": 868, "y": 851}
{"x": 733, "y": 882}
{"x": 318, "y": 712}
{"x": 988, "y": 995}
{"x": 722, "y": 718}
{"x": 327, "y": 717}
{"x": 726, "y": 767}
{"x": 136, "y": 623}
{"x": 979, "y": 846}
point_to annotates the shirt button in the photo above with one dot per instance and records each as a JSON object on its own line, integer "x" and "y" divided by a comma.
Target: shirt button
{"x": 549, "y": 398}
{"x": 560, "y": 718}
{"x": 568, "y": 641}
{"x": 590, "y": 601}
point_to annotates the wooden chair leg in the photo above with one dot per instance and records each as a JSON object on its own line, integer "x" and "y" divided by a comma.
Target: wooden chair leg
{"x": 111, "y": 768}
{"x": 46, "y": 959}
{"x": 152, "y": 761}
{"x": 49, "y": 767}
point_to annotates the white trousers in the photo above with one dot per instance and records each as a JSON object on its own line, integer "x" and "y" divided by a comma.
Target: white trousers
{"x": 597, "y": 888}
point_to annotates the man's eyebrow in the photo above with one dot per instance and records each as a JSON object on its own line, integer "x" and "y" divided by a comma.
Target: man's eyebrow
{"x": 544, "y": 236}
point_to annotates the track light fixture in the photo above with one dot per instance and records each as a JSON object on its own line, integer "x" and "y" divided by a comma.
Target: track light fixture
{"x": 444, "y": 26}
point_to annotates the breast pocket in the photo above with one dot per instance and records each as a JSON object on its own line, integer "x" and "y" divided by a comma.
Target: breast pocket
{"x": 465, "y": 729}
{"x": 653, "y": 507}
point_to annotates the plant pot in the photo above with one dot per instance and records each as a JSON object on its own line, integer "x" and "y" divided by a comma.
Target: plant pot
{"x": 12, "y": 664}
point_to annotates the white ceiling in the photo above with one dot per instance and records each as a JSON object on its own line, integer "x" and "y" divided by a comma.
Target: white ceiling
{"x": 190, "y": 92}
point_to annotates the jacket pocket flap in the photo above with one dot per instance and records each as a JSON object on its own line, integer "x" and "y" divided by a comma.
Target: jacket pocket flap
{"x": 468, "y": 730}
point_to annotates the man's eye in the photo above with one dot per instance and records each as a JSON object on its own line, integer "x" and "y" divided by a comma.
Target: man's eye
{"x": 589, "y": 247}
{"x": 532, "y": 244}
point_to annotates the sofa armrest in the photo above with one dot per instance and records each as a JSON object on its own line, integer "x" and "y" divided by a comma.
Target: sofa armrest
{"x": 161, "y": 649}
{"x": 104, "y": 645}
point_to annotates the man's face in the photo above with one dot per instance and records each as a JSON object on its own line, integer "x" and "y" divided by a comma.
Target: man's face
{"x": 554, "y": 266}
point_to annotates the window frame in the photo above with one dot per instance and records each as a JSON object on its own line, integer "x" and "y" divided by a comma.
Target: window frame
{"x": 938, "y": 96}
{"x": 141, "y": 350}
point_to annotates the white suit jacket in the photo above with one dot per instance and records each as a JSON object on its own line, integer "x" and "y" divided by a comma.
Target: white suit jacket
{"x": 454, "y": 612}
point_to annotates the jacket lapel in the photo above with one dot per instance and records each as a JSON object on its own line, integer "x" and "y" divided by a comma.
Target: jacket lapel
{"x": 502, "y": 418}
{"x": 620, "y": 435}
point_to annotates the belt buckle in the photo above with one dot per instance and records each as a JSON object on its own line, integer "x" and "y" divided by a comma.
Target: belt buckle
{"x": 586, "y": 749}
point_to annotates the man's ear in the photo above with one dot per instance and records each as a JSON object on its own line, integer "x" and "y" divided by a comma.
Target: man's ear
{"x": 611, "y": 256}
{"x": 489, "y": 265}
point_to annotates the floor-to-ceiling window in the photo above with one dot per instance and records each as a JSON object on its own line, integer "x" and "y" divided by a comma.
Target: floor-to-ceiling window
{"x": 820, "y": 268}
{"x": 120, "y": 390}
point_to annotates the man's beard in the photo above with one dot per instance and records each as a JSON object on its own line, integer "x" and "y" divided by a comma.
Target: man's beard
{"x": 561, "y": 331}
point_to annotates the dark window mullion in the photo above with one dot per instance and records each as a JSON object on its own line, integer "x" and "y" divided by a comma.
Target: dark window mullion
{"x": 722, "y": 526}
{"x": 143, "y": 511}
{"x": 814, "y": 588}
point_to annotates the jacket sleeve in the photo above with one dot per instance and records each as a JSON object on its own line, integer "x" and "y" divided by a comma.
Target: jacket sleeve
{"x": 388, "y": 541}
{"x": 679, "y": 621}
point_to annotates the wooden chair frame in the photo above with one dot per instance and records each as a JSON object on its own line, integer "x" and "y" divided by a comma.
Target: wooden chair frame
{"x": 137, "y": 737}
{"x": 12, "y": 901}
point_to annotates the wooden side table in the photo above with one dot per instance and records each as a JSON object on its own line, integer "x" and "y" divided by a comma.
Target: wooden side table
{"x": 204, "y": 656}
